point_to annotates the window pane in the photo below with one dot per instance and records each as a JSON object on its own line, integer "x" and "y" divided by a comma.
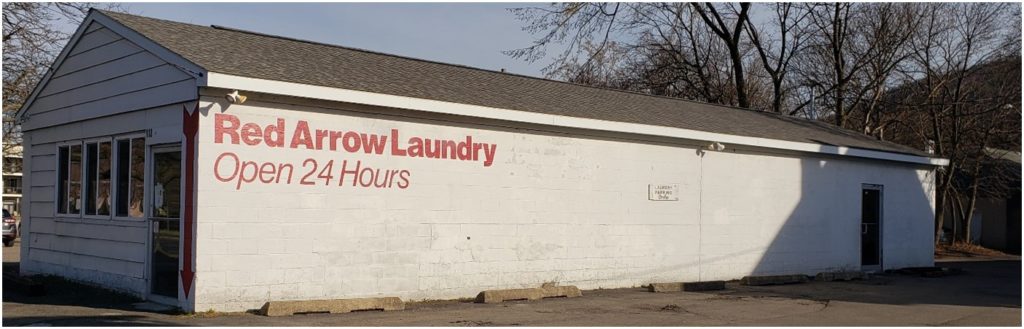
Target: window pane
{"x": 75, "y": 180}
{"x": 62, "y": 180}
{"x": 166, "y": 184}
{"x": 90, "y": 178}
{"x": 103, "y": 185}
{"x": 123, "y": 159}
{"x": 138, "y": 178}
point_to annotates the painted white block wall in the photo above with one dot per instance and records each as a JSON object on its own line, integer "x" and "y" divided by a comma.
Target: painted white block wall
{"x": 553, "y": 207}
{"x": 775, "y": 214}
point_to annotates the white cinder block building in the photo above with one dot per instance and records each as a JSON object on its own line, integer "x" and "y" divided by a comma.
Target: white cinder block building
{"x": 347, "y": 173}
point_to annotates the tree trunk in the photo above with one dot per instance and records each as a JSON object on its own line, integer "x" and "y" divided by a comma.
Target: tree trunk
{"x": 940, "y": 207}
{"x": 971, "y": 205}
{"x": 777, "y": 96}
{"x": 840, "y": 115}
{"x": 959, "y": 217}
{"x": 838, "y": 28}
{"x": 737, "y": 67}
{"x": 731, "y": 37}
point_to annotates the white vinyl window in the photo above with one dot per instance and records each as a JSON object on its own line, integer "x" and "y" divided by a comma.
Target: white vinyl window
{"x": 98, "y": 170}
{"x": 69, "y": 179}
{"x": 129, "y": 179}
{"x": 101, "y": 178}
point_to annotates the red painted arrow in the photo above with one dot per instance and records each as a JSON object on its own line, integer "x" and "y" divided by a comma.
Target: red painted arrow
{"x": 190, "y": 123}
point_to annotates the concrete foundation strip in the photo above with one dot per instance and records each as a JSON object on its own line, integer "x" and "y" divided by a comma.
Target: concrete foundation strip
{"x": 280, "y": 308}
{"x": 547, "y": 291}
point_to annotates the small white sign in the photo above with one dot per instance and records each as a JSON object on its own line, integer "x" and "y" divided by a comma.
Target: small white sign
{"x": 663, "y": 192}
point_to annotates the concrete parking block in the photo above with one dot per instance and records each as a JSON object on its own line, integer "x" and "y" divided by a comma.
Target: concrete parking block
{"x": 546, "y": 291}
{"x": 665, "y": 287}
{"x": 764, "y": 280}
{"x": 686, "y": 286}
{"x": 280, "y": 308}
{"x": 928, "y": 272}
{"x": 841, "y": 276}
{"x": 502, "y": 295}
{"x": 704, "y": 286}
{"x": 551, "y": 291}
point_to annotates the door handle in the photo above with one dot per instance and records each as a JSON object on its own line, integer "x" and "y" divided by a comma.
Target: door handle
{"x": 863, "y": 228}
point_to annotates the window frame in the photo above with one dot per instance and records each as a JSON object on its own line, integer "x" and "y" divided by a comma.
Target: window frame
{"x": 98, "y": 141}
{"x": 115, "y": 167}
{"x": 112, "y": 139}
{"x": 57, "y": 182}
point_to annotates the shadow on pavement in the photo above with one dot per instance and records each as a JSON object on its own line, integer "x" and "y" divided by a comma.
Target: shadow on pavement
{"x": 10, "y": 267}
{"x": 57, "y": 291}
{"x": 986, "y": 283}
{"x": 86, "y": 321}
{"x": 67, "y": 303}
{"x": 982, "y": 283}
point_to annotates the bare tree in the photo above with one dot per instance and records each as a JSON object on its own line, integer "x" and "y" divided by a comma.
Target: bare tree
{"x": 728, "y": 26}
{"x": 677, "y": 55}
{"x": 776, "y": 51}
{"x": 32, "y": 38}
{"x": 889, "y": 28}
{"x": 961, "y": 94}
{"x": 574, "y": 25}
{"x": 605, "y": 67}
{"x": 672, "y": 48}
{"x": 833, "y": 56}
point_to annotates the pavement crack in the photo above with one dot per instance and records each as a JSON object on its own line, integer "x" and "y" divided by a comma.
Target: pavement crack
{"x": 825, "y": 305}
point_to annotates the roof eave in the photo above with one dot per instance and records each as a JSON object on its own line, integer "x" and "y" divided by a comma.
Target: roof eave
{"x": 169, "y": 56}
{"x": 228, "y": 81}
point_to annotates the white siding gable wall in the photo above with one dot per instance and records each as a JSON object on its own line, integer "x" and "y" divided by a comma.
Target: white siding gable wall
{"x": 105, "y": 74}
{"x": 102, "y": 74}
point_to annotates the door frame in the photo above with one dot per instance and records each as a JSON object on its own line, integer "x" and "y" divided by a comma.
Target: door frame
{"x": 148, "y": 211}
{"x": 881, "y": 223}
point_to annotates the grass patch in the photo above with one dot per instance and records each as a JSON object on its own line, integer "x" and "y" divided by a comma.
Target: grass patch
{"x": 963, "y": 249}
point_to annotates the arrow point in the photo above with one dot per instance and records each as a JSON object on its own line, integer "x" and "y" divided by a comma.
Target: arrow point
{"x": 186, "y": 281}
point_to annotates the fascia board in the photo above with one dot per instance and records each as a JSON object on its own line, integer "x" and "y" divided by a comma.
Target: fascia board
{"x": 151, "y": 46}
{"x": 227, "y": 81}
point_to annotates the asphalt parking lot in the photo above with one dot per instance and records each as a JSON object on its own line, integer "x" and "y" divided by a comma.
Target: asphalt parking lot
{"x": 987, "y": 293}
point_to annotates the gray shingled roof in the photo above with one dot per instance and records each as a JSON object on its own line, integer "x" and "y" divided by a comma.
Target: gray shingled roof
{"x": 261, "y": 56}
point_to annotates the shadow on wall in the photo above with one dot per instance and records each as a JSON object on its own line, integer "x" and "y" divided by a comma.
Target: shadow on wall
{"x": 803, "y": 215}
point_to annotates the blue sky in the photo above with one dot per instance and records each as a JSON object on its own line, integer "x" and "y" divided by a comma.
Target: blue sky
{"x": 472, "y": 34}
